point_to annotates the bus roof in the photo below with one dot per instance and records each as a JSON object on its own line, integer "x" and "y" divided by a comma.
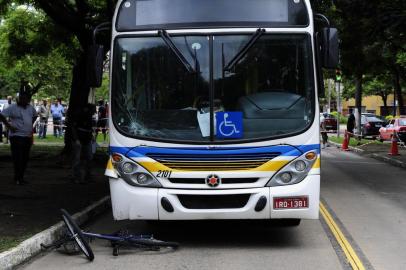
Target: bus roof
{"x": 176, "y": 14}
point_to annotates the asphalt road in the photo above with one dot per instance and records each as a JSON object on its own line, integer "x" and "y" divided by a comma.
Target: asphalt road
{"x": 366, "y": 199}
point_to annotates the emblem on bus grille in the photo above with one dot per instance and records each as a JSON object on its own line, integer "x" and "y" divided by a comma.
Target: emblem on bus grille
{"x": 213, "y": 180}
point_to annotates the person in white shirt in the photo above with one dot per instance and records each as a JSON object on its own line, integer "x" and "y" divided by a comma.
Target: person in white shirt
{"x": 5, "y": 130}
{"x": 21, "y": 117}
{"x": 44, "y": 115}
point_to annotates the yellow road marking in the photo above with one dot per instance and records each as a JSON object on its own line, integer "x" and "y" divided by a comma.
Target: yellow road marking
{"x": 349, "y": 252}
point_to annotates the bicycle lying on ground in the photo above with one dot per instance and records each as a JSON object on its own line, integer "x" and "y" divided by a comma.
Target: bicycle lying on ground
{"x": 117, "y": 240}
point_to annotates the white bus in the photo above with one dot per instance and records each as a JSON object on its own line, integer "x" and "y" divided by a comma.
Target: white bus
{"x": 214, "y": 109}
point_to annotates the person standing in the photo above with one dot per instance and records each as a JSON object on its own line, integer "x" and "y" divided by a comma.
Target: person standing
{"x": 21, "y": 118}
{"x": 43, "y": 121}
{"x": 351, "y": 122}
{"x": 82, "y": 138}
{"x": 5, "y": 129}
{"x": 323, "y": 131}
{"x": 102, "y": 120}
{"x": 1, "y": 131}
{"x": 57, "y": 113}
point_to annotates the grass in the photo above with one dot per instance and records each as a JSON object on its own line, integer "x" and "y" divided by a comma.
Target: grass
{"x": 353, "y": 141}
{"x": 52, "y": 139}
{"x": 7, "y": 242}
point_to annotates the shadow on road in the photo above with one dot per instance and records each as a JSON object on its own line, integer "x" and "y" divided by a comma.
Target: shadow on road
{"x": 230, "y": 233}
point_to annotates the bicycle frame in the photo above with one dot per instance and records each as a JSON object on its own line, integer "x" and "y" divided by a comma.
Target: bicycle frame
{"x": 115, "y": 238}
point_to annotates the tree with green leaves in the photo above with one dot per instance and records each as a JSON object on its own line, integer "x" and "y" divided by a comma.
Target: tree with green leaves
{"x": 28, "y": 53}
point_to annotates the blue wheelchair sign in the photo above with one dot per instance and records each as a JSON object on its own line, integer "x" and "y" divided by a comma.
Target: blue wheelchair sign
{"x": 229, "y": 125}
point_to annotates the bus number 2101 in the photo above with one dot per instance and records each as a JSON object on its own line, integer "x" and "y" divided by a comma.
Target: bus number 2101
{"x": 164, "y": 174}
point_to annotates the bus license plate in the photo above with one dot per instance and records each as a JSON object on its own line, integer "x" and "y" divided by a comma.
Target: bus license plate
{"x": 291, "y": 203}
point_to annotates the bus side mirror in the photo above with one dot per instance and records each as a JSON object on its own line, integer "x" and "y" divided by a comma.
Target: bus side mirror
{"x": 95, "y": 65}
{"x": 329, "y": 48}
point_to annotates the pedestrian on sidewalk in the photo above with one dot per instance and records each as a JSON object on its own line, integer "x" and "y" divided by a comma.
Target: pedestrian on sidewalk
{"x": 43, "y": 122}
{"x": 350, "y": 124}
{"x": 82, "y": 139}
{"x": 22, "y": 116}
{"x": 102, "y": 120}
{"x": 323, "y": 131}
{"x": 5, "y": 129}
{"x": 1, "y": 131}
{"x": 57, "y": 113}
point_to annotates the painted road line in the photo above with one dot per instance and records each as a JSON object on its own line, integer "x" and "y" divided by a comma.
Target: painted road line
{"x": 349, "y": 252}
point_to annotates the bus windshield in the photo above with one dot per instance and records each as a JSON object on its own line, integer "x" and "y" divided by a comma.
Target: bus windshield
{"x": 155, "y": 97}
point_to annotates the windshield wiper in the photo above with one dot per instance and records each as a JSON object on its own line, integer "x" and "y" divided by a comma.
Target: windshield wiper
{"x": 168, "y": 40}
{"x": 237, "y": 58}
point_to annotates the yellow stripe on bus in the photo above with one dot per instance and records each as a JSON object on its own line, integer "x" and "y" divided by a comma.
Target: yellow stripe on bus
{"x": 349, "y": 252}
{"x": 317, "y": 164}
{"x": 156, "y": 166}
{"x": 272, "y": 166}
{"x": 109, "y": 165}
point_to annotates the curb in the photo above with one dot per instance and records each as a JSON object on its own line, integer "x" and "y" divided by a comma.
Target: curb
{"x": 31, "y": 247}
{"x": 352, "y": 148}
{"x": 389, "y": 160}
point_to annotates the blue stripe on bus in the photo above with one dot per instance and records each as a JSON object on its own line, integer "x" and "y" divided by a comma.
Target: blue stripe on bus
{"x": 285, "y": 150}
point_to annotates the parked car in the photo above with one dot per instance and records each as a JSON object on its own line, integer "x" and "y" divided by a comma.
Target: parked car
{"x": 398, "y": 125}
{"x": 370, "y": 125}
{"x": 330, "y": 121}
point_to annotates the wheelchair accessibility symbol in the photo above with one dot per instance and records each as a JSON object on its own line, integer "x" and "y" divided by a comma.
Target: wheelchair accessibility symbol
{"x": 229, "y": 125}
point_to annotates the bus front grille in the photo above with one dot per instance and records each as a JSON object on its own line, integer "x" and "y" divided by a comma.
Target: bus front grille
{"x": 214, "y": 201}
{"x": 213, "y": 162}
{"x": 202, "y": 181}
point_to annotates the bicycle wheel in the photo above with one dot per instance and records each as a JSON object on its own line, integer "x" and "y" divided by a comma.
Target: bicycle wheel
{"x": 77, "y": 235}
{"x": 151, "y": 242}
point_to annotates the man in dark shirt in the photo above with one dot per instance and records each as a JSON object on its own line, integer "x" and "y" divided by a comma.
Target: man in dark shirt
{"x": 102, "y": 120}
{"x": 351, "y": 122}
{"x": 82, "y": 138}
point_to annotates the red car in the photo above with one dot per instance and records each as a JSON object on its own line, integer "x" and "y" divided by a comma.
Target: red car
{"x": 398, "y": 125}
{"x": 330, "y": 121}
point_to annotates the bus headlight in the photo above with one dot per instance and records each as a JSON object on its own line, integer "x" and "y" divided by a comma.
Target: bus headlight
{"x": 128, "y": 167}
{"x": 295, "y": 171}
{"x": 133, "y": 173}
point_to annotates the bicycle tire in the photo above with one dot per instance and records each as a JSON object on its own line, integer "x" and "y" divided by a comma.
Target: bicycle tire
{"x": 154, "y": 243}
{"x": 77, "y": 234}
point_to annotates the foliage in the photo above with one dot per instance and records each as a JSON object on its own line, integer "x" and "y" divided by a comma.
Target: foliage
{"x": 103, "y": 91}
{"x": 373, "y": 54}
{"x": 343, "y": 119}
{"x": 28, "y": 52}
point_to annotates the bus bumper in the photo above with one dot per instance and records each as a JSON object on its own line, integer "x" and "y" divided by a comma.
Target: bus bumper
{"x": 136, "y": 203}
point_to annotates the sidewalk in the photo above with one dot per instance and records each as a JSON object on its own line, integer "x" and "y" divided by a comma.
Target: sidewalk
{"x": 26, "y": 210}
{"x": 380, "y": 151}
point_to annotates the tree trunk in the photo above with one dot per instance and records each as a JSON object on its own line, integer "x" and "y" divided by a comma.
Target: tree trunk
{"x": 358, "y": 100}
{"x": 398, "y": 90}
{"x": 384, "y": 97}
{"x": 78, "y": 96}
